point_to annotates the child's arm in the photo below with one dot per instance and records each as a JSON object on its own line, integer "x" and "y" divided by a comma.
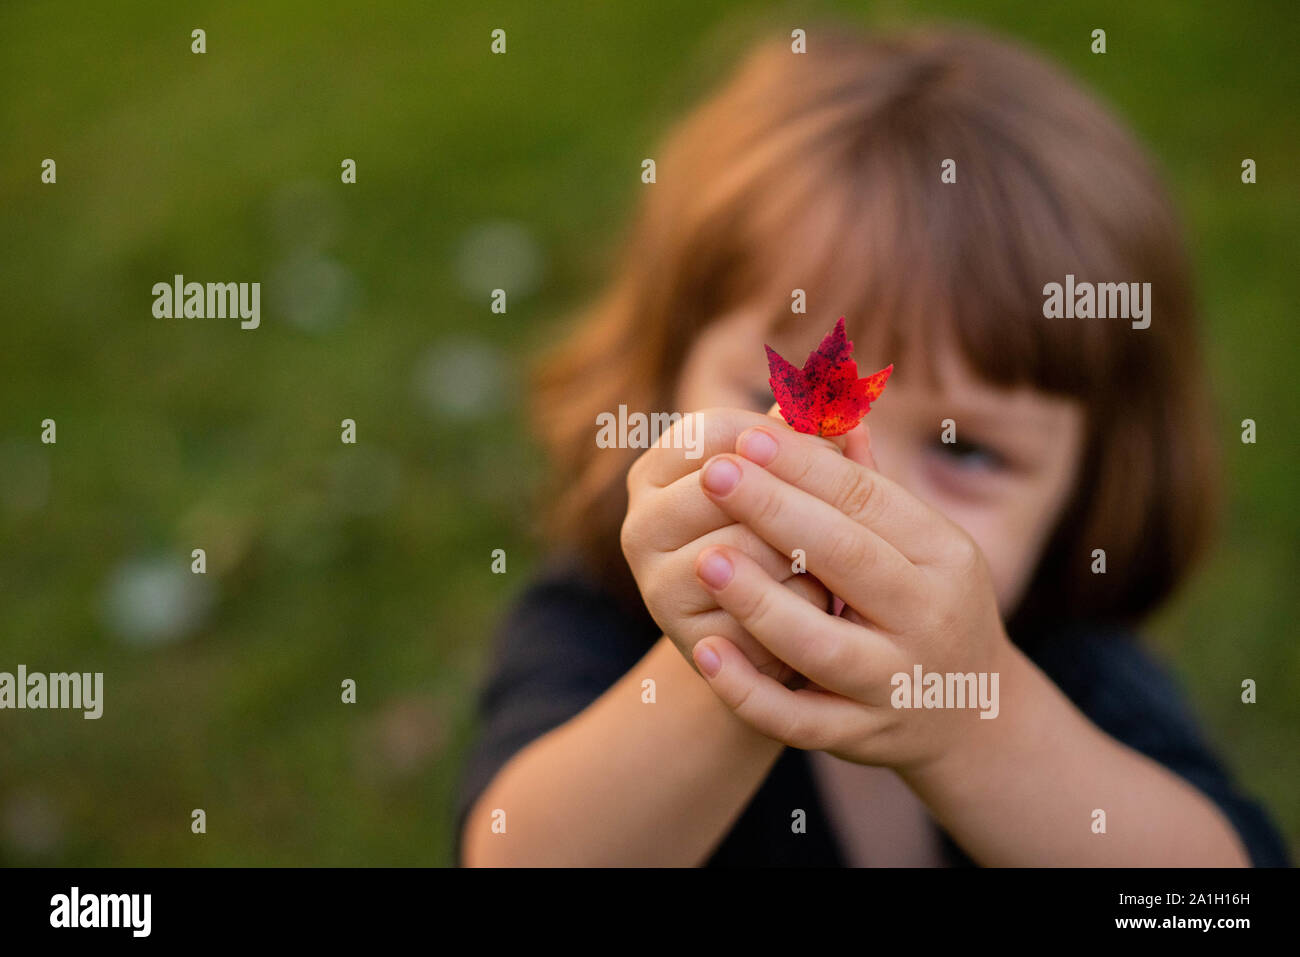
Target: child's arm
{"x": 1026, "y": 792}
{"x": 625, "y": 782}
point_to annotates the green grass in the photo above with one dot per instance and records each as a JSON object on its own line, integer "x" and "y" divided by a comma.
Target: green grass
{"x": 328, "y": 561}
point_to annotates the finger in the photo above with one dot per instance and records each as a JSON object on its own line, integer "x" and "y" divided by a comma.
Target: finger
{"x": 850, "y": 559}
{"x": 682, "y": 448}
{"x": 862, "y": 494}
{"x": 693, "y": 515}
{"x": 747, "y": 542}
{"x": 718, "y": 621}
{"x": 803, "y": 718}
{"x": 721, "y": 624}
{"x": 706, "y": 617}
{"x": 842, "y": 657}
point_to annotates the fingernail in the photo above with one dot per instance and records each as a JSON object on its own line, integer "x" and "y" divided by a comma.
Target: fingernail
{"x": 707, "y": 659}
{"x": 721, "y": 476}
{"x": 714, "y": 569}
{"x": 758, "y": 446}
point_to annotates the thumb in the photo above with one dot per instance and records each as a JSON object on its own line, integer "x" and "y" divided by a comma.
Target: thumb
{"x": 858, "y": 447}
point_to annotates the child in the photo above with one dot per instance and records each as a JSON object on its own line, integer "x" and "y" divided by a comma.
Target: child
{"x": 676, "y": 690}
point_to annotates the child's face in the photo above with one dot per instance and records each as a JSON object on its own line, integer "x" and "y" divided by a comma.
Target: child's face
{"x": 1006, "y": 477}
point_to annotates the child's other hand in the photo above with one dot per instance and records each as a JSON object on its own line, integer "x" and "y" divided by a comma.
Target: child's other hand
{"x": 915, "y": 586}
{"x": 670, "y": 520}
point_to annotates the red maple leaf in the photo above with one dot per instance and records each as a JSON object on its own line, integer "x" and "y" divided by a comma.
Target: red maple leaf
{"x": 825, "y": 397}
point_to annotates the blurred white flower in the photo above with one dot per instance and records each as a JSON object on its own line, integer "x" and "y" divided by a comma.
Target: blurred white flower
{"x": 498, "y": 255}
{"x": 156, "y": 600}
{"x": 312, "y": 291}
{"x": 462, "y": 379}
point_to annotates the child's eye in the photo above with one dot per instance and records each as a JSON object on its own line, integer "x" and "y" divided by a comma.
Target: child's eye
{"x": 971, "y": 455}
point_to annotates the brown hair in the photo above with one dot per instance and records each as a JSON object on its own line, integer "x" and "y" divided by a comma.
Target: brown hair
{"x": 821, "y": 171}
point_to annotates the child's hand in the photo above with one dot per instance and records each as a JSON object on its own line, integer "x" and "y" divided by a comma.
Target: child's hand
{"x": 915, "y": 586}
{"x": 670, "y": 519}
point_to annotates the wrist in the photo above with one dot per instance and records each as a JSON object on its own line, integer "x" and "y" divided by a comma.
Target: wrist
{"x": 980, "y": 755}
